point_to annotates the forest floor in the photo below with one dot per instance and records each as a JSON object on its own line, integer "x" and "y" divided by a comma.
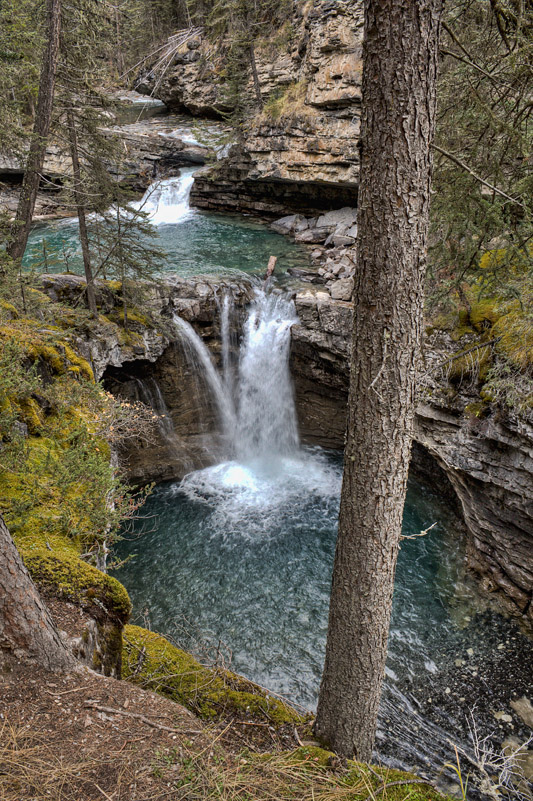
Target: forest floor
{"x": 85, "y": 737}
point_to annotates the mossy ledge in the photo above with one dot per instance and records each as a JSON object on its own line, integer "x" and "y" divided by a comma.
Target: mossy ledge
{"x": 56, "y": 568}
{"x": 154, "y": 663}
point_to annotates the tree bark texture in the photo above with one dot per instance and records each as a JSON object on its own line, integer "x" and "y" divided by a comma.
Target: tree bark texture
{"x": 26, "y": 628}
{"x": 80, "y": 209}
{"x": 41, "y": 129}
{"x": 255, "y": 76}
{"x": 399, "y": 99}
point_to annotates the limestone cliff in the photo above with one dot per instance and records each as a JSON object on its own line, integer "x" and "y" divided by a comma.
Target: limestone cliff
{"x": 300, "y": 151}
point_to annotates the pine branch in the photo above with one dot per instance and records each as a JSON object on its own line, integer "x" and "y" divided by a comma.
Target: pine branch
{"x": 467, "y": 169}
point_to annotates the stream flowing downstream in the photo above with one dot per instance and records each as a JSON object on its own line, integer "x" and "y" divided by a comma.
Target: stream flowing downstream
{"x": 194, "y": 241}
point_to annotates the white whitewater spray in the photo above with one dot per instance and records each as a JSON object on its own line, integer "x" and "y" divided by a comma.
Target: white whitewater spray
{"x": 266, "y": 424}
{"x": 167, "y": 202}
{"x": 266, "y": 471}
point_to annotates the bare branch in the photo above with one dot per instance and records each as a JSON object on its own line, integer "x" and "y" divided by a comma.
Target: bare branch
{"x": 467, "y": 169}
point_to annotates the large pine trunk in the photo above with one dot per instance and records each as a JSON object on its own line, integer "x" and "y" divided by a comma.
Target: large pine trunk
{"x": 399, "y": 98}
{"x": 27, "y": 631}
{"x": 41, "y": 129}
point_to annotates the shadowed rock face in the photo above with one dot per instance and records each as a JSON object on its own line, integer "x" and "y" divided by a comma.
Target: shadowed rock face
{"x": 150, "y": 364}
{"x": 489, "y": 463}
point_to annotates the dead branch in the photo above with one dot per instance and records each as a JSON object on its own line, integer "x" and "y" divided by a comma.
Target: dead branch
{"x": 467, "y": 169}
{"x": 111, "y": 711}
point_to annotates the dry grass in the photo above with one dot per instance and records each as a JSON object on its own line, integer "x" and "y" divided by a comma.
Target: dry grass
{"x": 30, "y": 767}
{"x": 85, "y": 737}
{"x": 33, "y": 769}
{"x": 288, "y": 104}
{"x": 295, "y": 776}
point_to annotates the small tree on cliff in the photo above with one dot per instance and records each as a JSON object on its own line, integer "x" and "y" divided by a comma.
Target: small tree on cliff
{"x": 26, "y": 628}
{"x": 399, "y": 99}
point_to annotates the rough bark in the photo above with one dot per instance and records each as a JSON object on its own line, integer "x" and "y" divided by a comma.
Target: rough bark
{"x": 80, "y": 209}
{"x": 41, "y": 129}
{"x": 255, "y": 76}
{"x": 26, "y": 628}
{"x": 399, "y": 76}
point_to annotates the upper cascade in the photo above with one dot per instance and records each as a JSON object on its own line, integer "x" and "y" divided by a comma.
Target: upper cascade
{"x": 167, "y": 202}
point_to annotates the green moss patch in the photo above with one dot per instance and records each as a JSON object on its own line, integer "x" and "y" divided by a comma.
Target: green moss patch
{"x": 151, "y": 661}
{"x": 502, "y": 369}
{"x": 56, "y": 567}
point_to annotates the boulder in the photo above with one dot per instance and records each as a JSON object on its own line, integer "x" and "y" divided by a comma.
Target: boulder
{"x": 286, "y": 225}
{"x": 342, "y": 289}
{"x": 311, "y": 236}
{"x": 339, "y": 240}
{"x": 333, "y": 219}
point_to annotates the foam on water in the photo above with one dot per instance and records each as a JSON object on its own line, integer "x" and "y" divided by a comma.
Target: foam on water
{"x": 254, "y": 499}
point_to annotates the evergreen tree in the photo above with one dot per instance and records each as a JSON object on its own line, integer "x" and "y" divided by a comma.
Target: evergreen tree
{"x": 398, "y": 114}
{"x": 22, "y": 33}
{"x": 39, "y": 138}
{"x": 108, "y": 225}
{"x": 483, "y": 188}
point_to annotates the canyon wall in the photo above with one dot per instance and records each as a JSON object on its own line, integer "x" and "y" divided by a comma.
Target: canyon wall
{"x": 488, "y": 462}
{"x": 299, "y": 152}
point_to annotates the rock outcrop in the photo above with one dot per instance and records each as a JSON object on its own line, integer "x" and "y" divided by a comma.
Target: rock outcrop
{"x": 300, "y": 152}
{"x": 150, "y": 363}
{"x": 488, "y": 462}
{"x": 150, "y": 149}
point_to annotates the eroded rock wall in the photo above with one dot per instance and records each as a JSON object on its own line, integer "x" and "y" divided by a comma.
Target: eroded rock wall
{"x": 488, "y": 462}
{"x": 300, "y": 152}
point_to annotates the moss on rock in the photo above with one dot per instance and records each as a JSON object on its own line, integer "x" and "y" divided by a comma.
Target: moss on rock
{"x": 153, "y": 662}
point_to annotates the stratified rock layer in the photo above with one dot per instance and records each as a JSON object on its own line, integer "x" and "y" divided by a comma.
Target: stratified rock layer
{"x": 489, "y": 462}
{"x": 299, "y": 152}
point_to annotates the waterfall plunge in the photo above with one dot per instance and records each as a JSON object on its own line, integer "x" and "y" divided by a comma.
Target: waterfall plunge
{"x": 266, "y": 468}
{"x": 266, "y": 422}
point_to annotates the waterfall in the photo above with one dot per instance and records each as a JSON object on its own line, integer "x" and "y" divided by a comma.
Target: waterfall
{"x": 167, "y": 202}
{"x": 154, "y": 397}
{"x": 149, "y": 392}
{"x": 266, "y": 424}
{"x": 262, "y": 424}
{"x": 266, "y": 471}
{"x": 226, "y": 309}
{"x": 200, "y": 356}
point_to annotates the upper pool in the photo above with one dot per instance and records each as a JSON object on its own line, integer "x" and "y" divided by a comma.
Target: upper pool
{"x": 195, "y": 242}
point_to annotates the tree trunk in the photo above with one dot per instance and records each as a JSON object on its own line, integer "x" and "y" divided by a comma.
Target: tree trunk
{"x": 255, "y": 76}
{"x": 41, "y": 129}
{"x": 26, "y": 628}
{"x": 80, "y": 208}
{"x": 122, "y": 271}
{"x": 399, "y": 98}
